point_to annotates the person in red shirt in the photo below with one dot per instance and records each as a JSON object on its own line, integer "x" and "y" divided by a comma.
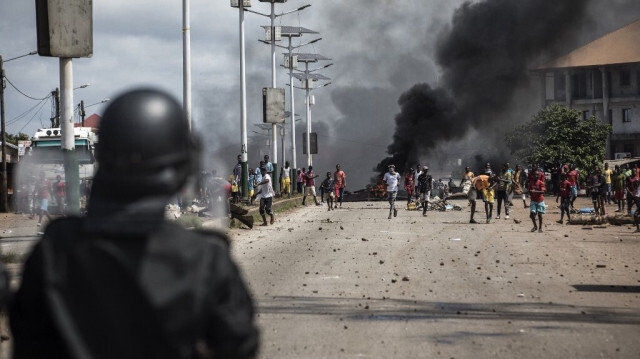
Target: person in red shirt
{"x": 538, "y": 207}
{"x": 572, "y": 177}
{"x": 340, "y": 182}
{"x": 43, "y": 193}
{"x": 409, "y": 185}
{"x": 565, "y": 196}
{"x": 59, "y": 193}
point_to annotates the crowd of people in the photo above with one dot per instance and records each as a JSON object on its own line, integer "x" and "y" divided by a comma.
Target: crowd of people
{"x": 620, "y": 186}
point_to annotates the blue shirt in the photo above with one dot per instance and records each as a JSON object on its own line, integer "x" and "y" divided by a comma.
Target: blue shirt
{"x": 269, "y": 167}
{"x": 252, "y": 178}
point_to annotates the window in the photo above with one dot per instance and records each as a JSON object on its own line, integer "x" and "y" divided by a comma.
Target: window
{"x": 585, "y": 115}
{"x": 625, "y": 78}
{"x": 626, "y": 115}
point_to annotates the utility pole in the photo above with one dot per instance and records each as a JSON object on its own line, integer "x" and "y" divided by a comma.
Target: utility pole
{"x": 67, "y": 139}
{"x": 55, "y": 121}
{"x": 5, "y": 188}
{"x": 82, "y": 113}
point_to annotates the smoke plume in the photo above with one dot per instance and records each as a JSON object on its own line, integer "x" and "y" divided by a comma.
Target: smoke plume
{"x": 485, "y": 56}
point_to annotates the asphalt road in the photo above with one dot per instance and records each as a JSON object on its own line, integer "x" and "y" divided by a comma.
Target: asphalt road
{"x": 352, "y": 284}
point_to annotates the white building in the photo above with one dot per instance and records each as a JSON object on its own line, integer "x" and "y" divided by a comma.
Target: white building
{"x": 601, "y": 78}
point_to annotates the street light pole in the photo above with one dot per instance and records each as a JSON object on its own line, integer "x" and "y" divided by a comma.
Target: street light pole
{"x": 186, "y": 60}
{"x": 272, "y": 16}
{"x": 5, "y": 188}
{"x": 244, "y": 161}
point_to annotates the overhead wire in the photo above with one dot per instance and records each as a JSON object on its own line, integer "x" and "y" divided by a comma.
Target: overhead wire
{"x": 24, "y": 94}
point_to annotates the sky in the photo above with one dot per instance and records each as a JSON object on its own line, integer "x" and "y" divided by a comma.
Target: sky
{"x": 379, "y": 50}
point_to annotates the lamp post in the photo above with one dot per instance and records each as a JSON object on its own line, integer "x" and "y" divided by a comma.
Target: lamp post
{"x": 291, "y": 62}
{"x": 186, "y": 60}
{"x": 307, "y": 77}
{"x": 82, "y": 107}
{"x": 242, "y": 5}
{"x": 274, "y": 34}
{"x": 5, "y": 189}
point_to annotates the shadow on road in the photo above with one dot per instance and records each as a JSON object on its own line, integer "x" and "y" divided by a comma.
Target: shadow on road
{"x": 607, "y": 288}
{"x": 405, "y": 310}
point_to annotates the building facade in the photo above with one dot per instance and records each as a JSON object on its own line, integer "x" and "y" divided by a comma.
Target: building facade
{"x": 601, "y": 79}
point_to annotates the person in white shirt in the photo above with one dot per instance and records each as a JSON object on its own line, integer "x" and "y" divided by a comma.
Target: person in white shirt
{"x": 392, "y": 178}
{"x": 265, "y": 193}
{"x": 417, "y": 174}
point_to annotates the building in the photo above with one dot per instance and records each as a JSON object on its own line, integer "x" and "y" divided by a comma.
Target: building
{"x": 601, "y": 78}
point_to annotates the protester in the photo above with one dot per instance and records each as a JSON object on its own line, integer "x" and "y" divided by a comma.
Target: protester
{"x": 478, "y": 185}
{"x": 503, "y": 188}
{"x": 285, "y": 179}
{"x": 43, "y": 193}
{"x": 596, "y": 181}
{"x": 409, "y": 185}
{"x": 465, "y": 182}
{"x": 618, "y": 188}
{"x": 123, "y": 282}
{"x": 633, "y": 182}
{"x": 251, "y": 185}
{"x": 310, "y": 186}
{"x": 488, "y": 196}
{"x": 537, "y": 207}
{"x": 329, "y": 187}
{"x": 268, "y": 166}
{"x": 565, "y": 196}
{"x": 573, "y": 177}
{"x": 258, "y": 172}
{"x": 636, "y": 200}
{"x": 340, "y": 180}
{"x": 300, "y": 180}
{"x": 518, "y": 184}
{"x": 607, "y": 173}
{"x": 235, "y": 189}
{"x": 265, "y": 193}
{"x": 59, "y": 193}
{"x": 425, "y": 183}
{"x": 237, "y": 174}
{"x": 392, "y": 178}
{"x": 417, "y": 174}
{"x": 487, "y": 169}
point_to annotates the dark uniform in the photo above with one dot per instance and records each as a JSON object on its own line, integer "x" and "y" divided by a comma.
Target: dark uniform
{"x": 122, "y": 282}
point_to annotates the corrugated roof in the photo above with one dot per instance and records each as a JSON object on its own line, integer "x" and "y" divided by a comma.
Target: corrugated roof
{"x": 618, "y": 47}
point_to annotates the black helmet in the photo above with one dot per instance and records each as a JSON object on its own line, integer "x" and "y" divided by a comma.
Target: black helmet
{"x": 145, "y": 145}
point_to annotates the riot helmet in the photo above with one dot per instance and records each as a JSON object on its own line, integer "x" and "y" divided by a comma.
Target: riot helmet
{"x": 145, "y": 146}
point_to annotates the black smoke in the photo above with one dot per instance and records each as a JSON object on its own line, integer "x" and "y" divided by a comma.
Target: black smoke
{"x": 486, "y": 57}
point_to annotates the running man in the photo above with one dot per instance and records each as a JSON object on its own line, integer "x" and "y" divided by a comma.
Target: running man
{"x": 572, "y": 176}
{"x": 266, "y": 193}
{"x": 340, "y": 180}
{"x": 392, "y": 178}
{"x": 518, "y": 184}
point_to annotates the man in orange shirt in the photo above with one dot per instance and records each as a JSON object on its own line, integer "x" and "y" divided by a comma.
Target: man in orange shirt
{"x": 478, "y": 185}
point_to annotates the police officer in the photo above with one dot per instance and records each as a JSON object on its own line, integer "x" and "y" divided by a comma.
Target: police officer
{"x": 122, "y": 282}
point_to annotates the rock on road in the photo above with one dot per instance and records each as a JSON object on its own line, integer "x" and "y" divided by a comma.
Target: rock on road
{"x": 352, "y": 284}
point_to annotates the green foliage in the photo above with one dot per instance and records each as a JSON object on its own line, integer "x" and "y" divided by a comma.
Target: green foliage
{"x": 13, "y": 139}
{"x": 559, "y": 135}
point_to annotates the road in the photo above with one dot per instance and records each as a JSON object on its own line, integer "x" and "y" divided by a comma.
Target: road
{"x": 352, "y": 284}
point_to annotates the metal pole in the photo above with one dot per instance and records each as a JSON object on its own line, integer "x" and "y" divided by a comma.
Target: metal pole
{"x": 294, "y": 165}
{"x": 274, "y": 129}
{"x": 307, "y": 100}
{"x": 186, "y": 60}
{"x": 243, "y": 106}
{"x": 82, "y": 113}
{"x": 5, "y": 188}
{"x": 67, "y": 142}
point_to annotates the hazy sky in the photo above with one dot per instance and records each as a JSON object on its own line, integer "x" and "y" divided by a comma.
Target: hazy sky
{"x": 380, "y": 48}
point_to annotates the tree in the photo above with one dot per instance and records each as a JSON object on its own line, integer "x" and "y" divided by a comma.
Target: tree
{"x": 13, "y": 139}
{"x": 559, "y": 135}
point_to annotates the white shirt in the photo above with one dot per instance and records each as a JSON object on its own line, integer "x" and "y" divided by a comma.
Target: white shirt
{"x": 416, "y": 174}
{"x": 266, "y": 188}
{"x": 392, "y": 181}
